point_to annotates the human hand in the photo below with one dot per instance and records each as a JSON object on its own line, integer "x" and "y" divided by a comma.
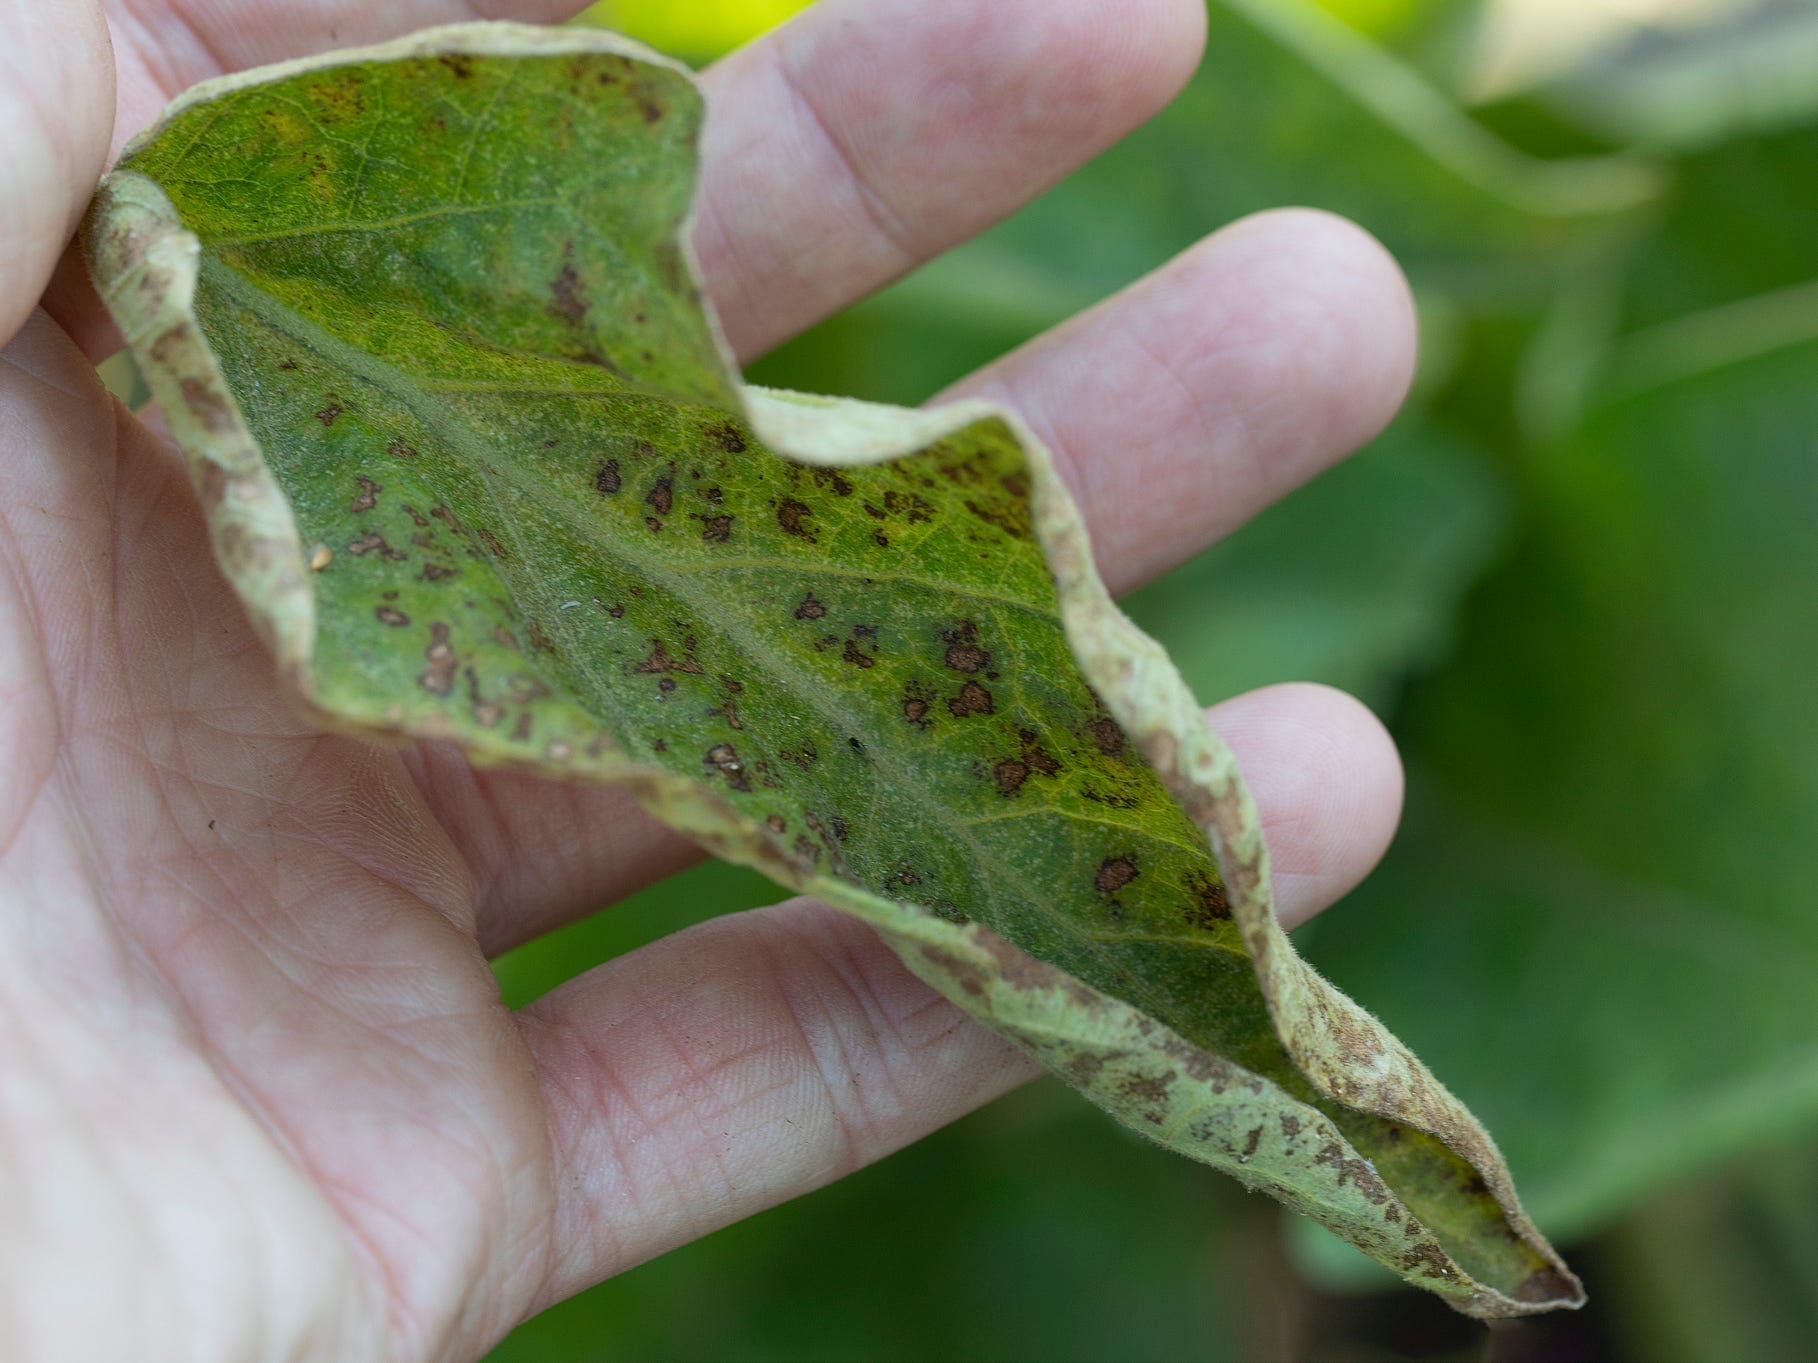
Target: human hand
{"x": 258, "y": 1095}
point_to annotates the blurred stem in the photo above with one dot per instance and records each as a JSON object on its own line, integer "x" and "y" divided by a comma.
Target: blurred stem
{"x": 1427, "y": 117}
{"x": 1704, "y": 341}
{"x": 1722, "y": 1269}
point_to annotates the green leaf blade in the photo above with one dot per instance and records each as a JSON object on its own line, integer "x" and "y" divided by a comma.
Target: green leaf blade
{"x": 423, "y": 320}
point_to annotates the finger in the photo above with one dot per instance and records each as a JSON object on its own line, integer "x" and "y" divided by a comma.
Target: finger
{"x": 736, "y": 1065}
{"x": 807, "y": 1050}
{"x": 56, "y": 106}
{"x": 1327, "y": 784}
{"x": 1182, "y": 406}
{"x": 870, "y": 135}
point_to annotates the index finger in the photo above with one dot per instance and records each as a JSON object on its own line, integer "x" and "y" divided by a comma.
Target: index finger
{"x": 56, "y": 111}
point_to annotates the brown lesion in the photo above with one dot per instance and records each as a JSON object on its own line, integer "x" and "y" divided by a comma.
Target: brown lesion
{"x": 661, "y": 497}
{"x": 1208, "y": 905}
{"x": 659, "y": 660}
{"x": 793, "y": 515}
{"x": 724, "y": 758}
{"x": 973, "y": 699}
{"x": 1107, "y": 736}
{"x": 855, "y": 656}
{"x": 439, "y": 659}
{"x": 1114, "y": 873}
{"x": 568, "y": 292}
{"x": 963, "y": 651}
{"x": 373, "y": 542}
{"x": 915, "y": 707}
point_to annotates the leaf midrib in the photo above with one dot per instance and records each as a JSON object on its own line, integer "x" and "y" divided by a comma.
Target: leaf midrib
{"x": 398, "y": 387}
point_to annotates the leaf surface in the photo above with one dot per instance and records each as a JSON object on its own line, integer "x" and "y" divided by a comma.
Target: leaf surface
{"x": 422, "y": 318}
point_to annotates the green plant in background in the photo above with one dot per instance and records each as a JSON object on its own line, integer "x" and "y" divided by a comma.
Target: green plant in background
{"x": 1577, "y": 577}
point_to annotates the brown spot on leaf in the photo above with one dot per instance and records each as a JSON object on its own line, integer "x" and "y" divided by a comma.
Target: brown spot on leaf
{"x": 1108, "y": 736}
{"x": 607, "y": 480}
{"x": 401, "y": 449}
{"x": 1152, "y": 1090}
{"x": 1113, "y": 874}
{"x": 568, "y": 294}
{"x": 459, "y": 64}
{"x": 810, "y": 609}
{"x": 792, "y": 515}
{"x": 1251, "y": 1141}
{"x": 391, "y": 615}
{"x": 1427, "y": 1259}
{"x": 1354, "y": 1170}
{"x": 1010, "y": 775}
{"x": 653, "y": 525}
{"x": 965, "y": 974}
{"x": 661, "y": 497}
{"x": 334, "y": 407}
{"x": 963, "y": 652}
{"x": 915, "y": 706}
{"x": 1547, "y": 1284}
{"x": 831, "y": 478}
{"x": 660, "y": 661}
{"x": 729, "y": 438}
{"x": 1290, "y": 1125}
{"x": 724, "y": 758}
{"x": 1038, "y": 757}
{"x": 208, "y": 406}
{"x": 855, "y": 657}
{"x": 1209, "y": 906}
{"x": 1010, "y": 520}
{"x": 435, "y": 572}
{"x": 372, "y": 541}
{"x": 972, "y": 699}
{"x": 716, "y": 529}
{"x": 438, "y": 676}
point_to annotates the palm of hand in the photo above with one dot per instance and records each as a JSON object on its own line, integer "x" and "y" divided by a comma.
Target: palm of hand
{"x": 259, "y": 1061}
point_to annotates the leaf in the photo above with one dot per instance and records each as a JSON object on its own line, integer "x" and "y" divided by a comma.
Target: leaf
{"x": 422, "y": 319}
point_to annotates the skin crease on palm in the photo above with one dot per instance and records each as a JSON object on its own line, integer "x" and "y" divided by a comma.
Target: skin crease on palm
{"x": 258, "y": 1095}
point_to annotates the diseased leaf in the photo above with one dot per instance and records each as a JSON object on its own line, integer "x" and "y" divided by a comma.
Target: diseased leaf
{"x": 422, "y": 318}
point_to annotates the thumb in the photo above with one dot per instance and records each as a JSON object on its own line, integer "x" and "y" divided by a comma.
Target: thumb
{"x": 56, "y": 115}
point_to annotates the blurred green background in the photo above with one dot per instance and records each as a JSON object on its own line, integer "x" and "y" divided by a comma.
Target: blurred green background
{"x": 1579, "y": 578}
